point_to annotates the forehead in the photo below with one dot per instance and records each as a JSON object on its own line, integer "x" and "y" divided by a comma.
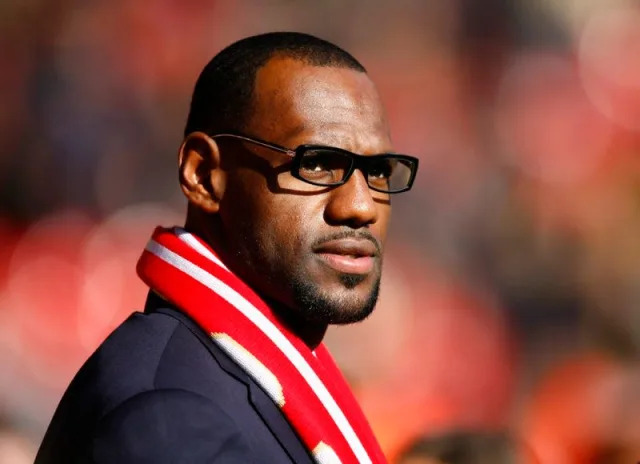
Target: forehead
{"x": 296, "y": 103}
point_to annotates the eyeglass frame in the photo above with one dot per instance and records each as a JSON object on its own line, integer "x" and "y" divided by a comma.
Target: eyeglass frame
{"x": 357, "y": 161}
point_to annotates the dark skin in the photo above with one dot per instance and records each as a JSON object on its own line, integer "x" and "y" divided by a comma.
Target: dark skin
{"x": 275, "y": 231}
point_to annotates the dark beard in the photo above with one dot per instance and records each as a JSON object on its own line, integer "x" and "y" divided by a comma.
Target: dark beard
{"x": 314, "y": 307}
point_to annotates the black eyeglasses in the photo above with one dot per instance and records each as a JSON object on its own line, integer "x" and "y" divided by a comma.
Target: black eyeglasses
{"x": 329, "y": 166}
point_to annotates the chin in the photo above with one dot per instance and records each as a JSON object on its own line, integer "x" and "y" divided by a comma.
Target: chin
{"x": 352, "y": 302}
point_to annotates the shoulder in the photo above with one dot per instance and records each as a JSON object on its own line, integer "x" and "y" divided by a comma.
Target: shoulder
{"x": 152, "y": 351}
{"x": 127, "y": 361}
{"x": 160, "y": 390}
{"x": 151, "y": 369}
{"x": 168, "y": 425}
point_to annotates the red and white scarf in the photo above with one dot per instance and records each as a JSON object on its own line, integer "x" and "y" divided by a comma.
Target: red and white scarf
{"x": 306, "y": 385}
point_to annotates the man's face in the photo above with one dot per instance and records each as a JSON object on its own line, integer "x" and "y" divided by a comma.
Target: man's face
{"x": 315, "y": 250}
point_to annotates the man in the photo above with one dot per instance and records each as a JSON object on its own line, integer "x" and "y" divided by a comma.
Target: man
{"x": 287, "y": 169}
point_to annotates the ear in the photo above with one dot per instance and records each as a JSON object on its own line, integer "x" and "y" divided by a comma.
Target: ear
{"x": 201, "y": 177}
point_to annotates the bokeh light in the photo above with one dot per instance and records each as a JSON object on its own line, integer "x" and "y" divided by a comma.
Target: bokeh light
{"x": 510, "y": 297}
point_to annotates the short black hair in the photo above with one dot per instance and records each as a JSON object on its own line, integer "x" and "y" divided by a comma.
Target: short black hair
{"x": 223, "y": 93}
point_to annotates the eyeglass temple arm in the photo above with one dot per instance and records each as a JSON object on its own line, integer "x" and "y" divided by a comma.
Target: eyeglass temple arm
{"x": 262, "y": 143}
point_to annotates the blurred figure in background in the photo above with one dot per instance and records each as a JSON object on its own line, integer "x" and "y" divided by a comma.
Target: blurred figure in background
{"x": 15, "y": 446}
{"x": 586, "y": 411}
{"x": 466, "y": 447}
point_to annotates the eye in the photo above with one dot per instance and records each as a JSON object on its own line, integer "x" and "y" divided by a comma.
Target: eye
{"x": 381, "y": 169}
{"x": 324, "y": 166}
{"x": 315, "y": 162}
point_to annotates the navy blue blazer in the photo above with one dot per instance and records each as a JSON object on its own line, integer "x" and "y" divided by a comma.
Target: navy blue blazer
{"x": 159, "y": 390}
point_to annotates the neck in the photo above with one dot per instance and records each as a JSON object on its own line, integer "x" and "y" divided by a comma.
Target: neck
{"x": 310, "y": 333}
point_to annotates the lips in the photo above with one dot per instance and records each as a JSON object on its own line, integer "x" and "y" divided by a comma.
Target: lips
{"x": 348, "y": 255}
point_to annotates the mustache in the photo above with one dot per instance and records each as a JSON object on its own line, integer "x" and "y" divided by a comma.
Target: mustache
{"x": 356, "y": 234}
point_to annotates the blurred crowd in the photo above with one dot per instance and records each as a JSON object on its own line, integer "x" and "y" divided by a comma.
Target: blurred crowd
{"x": 509, "y": 320}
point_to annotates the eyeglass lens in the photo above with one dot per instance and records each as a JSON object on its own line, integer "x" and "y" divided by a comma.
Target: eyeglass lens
{"x": 329, "y": 167}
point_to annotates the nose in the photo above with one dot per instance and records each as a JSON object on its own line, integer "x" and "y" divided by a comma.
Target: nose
{"x": 352, "y": 203}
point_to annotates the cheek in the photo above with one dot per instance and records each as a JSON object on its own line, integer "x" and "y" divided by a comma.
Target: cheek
{"x": 291, "y": 228}
{"x": 271, "y": 231}
{"x": 282, "y": 229}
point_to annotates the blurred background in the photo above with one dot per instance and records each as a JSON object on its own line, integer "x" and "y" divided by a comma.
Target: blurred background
{"x": 511, "y": 297}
